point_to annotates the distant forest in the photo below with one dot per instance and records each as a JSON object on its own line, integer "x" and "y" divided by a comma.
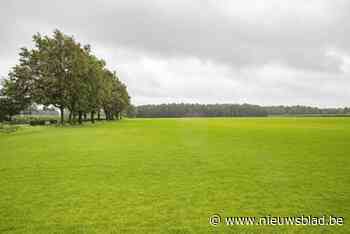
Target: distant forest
{"x": 227, "y": 110}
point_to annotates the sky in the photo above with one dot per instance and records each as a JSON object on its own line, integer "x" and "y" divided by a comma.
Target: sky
{"x": 273, "y": 52}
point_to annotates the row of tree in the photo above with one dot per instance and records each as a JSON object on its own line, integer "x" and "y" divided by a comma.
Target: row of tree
{"x": 61, "y": 72}
{"x": 227, "y": 110}
{"x": 305, "y": 110}
{"x": 196, "y": 110}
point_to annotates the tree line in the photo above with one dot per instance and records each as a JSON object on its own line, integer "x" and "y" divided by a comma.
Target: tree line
{"x": 305, "y": 110}
{"x": 196, "y": 110}
{"x": 227, "y": 110}
{"x": 62, "y": 73}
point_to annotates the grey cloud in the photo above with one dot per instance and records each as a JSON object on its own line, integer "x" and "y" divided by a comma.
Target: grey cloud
{"x": 309, "y": 37}
{"x": 201, "y": 29}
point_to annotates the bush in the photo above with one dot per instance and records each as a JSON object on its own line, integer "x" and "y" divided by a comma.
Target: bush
{"x": 53, "y": 121}
{"x": 8, "y": 128}
{"x": 34, "y": 120}
{"x": 37, "y": 122}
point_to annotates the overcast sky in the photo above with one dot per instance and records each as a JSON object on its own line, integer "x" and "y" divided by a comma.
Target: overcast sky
{"x": 207, "y": 51}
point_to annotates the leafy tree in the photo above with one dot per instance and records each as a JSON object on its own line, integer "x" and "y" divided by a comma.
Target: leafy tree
{"x": 131, "y": 111}
{"x": 94, "y": 86}
{"x": 8, "y": 108}
{"x": 60, "y": 72}
{"x": 51, "y": 61}
{"x": 115, "y": 98}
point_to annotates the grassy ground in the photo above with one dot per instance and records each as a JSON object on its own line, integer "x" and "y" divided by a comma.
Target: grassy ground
{"x": 170, "y": 175}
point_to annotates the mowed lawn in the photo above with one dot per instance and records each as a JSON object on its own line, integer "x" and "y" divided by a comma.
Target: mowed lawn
{"x": 170, "y": 175}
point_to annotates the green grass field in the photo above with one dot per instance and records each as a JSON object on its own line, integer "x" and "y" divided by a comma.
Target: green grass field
{"x": 170, "y": 175}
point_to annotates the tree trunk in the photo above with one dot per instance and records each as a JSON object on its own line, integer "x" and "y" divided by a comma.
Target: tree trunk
{"x": 85, "y": 116}
{"x": 107, "y": 115}
{"x": 73, "y": 117}
{"x": 62, "y": 114}
{"x": 99, "y": 115}
{"x": 92, "y": 117}
{"x": 80, "y": 117}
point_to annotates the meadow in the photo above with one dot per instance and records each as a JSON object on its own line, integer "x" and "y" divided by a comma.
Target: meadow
{"x": 171, "y": 175}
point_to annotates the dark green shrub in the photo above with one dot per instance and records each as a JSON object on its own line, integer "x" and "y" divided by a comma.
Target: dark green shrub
{"x": 37, "y": 122}
{"x": 53, "y": 121}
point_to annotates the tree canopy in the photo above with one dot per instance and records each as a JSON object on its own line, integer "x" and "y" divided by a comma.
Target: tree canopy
{"x": 61, "y": 72}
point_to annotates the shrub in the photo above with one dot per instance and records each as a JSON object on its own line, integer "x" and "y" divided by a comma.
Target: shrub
{"x": 8, "y": 128}
{"x": 34, "y": 120}
{"x": 53, "y": 121}
{"x": 37, "y": 122}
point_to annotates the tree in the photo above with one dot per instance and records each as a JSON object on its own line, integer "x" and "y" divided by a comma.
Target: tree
{"x": 19, "y": 86}
{"x": 50, "y": 61}
{"x": 8, "y": 107}
{"x": 115, "y": 98}
{"x": 131, "y": 111}
{"x": 199, "y": 110}
{"x": 60, "y": 72}
{"x": 94, "y": 85}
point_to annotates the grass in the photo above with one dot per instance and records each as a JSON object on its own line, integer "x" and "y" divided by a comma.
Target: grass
{"x": 170, "y": 175}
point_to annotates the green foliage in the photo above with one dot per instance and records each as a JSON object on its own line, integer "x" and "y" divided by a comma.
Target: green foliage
{"x": 61, "y": 72}
{"x": 231, "y": 110}
{"x": 8, "y": 108}
{"x": 131, "y": 112}
{"x": 305, "y": 110}
{"x": 42, "y": 122}
{"x": 25, "y": 119}
{"x": 199, "y": 110}
{"x": 170, "y": 175}
{"x": 6, "y": 128}
{"x": 115, "y": 97}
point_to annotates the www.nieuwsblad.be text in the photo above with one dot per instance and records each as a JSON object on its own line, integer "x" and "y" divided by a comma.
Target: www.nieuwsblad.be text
{"x": 277, "y": 220}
